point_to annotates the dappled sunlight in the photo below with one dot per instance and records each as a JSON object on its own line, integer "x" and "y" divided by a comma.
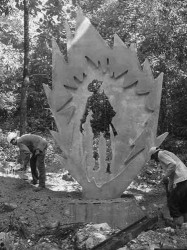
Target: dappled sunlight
{"x": 11, "y": 175}
{"x": 141, "y": 187}
{"x": 107, "y": 40}
{"x": 55, "y": 182}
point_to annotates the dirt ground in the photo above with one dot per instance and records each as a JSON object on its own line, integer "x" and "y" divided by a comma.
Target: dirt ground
{"x": 41, "y": 209}
{"x": 26, "y": 212}
{"x": 151, "y": 196}
{"x": 36, "y": 209}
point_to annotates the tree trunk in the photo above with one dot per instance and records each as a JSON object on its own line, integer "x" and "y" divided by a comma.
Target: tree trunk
{"x": 25, "y": 84}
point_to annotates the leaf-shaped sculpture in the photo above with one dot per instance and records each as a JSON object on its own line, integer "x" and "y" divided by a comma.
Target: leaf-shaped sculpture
{"x": 131, "y": 93}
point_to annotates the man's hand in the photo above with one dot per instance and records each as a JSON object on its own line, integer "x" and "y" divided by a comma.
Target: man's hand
{"x": 165, "y": 180}
{"x": 19, "y": 160}
{"x": 178, "y": 221}
{"x": 21, "y": 168}
{"x": 37, "y": 152}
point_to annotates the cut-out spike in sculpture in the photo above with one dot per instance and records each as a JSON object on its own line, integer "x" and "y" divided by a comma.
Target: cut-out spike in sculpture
{"x": 126, "y": 102}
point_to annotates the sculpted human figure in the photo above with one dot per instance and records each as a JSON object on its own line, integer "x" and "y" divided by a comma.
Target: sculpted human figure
{"x": 102, "y": 115}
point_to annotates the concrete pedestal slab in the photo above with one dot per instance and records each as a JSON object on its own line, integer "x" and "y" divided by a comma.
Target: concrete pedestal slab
{"x": 118, "y": 213}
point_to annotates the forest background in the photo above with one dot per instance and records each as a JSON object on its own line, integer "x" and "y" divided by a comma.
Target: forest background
{"x": 157, "y": 27}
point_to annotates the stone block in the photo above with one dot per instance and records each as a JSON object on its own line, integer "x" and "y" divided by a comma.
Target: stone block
{"x": 118, "y": 213}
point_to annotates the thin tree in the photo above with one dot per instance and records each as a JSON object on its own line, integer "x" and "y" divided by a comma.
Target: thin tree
{"x": 26, "y": 81}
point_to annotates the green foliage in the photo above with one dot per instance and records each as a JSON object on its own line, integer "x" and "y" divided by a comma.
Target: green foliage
{"x": 5, "y": 7}
{"x": 176, "y": 145}
{"x": 157, "y": 27}
{"x": 7, "y": 151}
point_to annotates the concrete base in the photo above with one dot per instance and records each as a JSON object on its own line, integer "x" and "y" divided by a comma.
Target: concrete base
{"x": 118, "y": 213}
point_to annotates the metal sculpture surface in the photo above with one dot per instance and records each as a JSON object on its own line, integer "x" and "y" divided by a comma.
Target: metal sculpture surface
{"x": 106, "y": 109}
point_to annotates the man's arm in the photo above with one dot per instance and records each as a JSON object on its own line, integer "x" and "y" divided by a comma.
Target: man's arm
{"x": 86, "y": 112}
{"x": 170, "y": 164}
{"x": 25, "y": 160}
{"x": 170, "y": 170}
{"x": 41, "y": 147}
{"x": 24, "y": 155}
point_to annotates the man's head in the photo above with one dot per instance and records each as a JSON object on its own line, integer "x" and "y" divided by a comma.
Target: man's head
{"x": 94, "y": 85}
{"x": 12, "y": 138}
{"x": 153, "y": 152}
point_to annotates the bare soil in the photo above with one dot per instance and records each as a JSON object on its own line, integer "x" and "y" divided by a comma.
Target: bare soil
{"x": 30, "y": 215}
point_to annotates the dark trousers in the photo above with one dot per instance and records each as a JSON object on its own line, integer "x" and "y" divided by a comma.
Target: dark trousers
{"x": 37, "y": 164}
{"x": 177, "y": 200}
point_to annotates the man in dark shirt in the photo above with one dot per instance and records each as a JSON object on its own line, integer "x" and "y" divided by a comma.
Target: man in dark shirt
{"x": 32, "y": 144}
{"x": 102, "y": 114}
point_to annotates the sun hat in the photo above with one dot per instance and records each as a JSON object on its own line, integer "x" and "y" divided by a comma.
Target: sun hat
{"x": 94, "y": 85}
{"x": 153, "y": 150}
{"x": 11, "y": 136}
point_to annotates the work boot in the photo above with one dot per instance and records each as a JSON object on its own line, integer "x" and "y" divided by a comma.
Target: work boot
{"x": 108, "y": 168}
{"x": 34, "y": 182}
{"x": 38, "y": 189}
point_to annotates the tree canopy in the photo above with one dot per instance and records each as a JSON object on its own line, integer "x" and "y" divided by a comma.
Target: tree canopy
{"x": 158, "y": 28}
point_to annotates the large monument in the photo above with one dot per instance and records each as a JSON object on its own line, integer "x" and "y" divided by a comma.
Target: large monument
{"x": 106, "y": 109}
